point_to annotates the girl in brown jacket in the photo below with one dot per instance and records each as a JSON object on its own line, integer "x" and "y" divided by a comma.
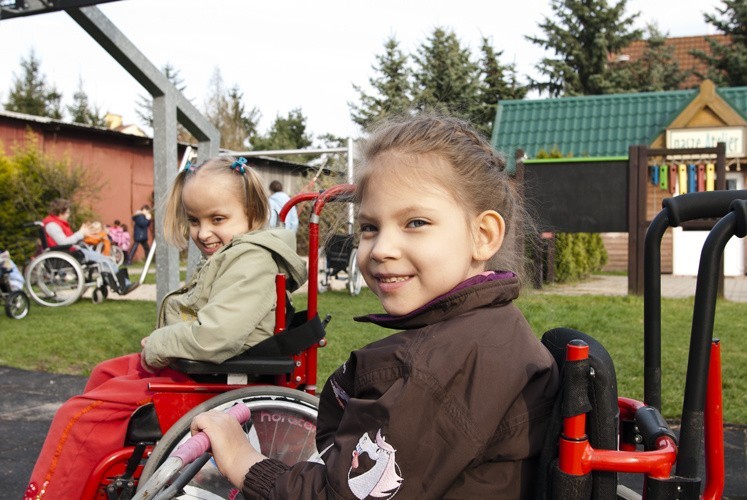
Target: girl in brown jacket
{"x": 455, "y": 405}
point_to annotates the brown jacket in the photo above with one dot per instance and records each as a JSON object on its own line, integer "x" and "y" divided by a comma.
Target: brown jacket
{"x": 455, "y": 406}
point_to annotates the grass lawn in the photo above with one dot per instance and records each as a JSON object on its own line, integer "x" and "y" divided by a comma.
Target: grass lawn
{"x": 73, "y": 339}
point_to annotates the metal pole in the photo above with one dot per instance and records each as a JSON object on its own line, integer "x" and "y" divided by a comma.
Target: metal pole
{"x": 351, "y": 208}
{"x": 281, "y": 152}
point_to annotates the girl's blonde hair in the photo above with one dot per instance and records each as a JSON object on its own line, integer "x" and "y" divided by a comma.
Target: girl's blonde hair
{"x": 246, "y": 184}
{"x": 475, "y": 176}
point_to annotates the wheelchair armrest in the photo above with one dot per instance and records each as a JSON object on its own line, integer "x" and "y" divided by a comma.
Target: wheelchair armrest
{"x": 239, "y": 364}
{"x": 272, "y": 356}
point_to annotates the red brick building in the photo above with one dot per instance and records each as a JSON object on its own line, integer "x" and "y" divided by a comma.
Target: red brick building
{"x": 123, "y": 161}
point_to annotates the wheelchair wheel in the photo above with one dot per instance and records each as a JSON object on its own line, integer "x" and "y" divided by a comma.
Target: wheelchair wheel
{"x": 17, "y": 305}
{"x": 355, "y": 278}
{"x": 118, "y": 255}
{"x": 55, "y": 279}
{"x": 282, "y": 426}
{"x": 98, "y": 295}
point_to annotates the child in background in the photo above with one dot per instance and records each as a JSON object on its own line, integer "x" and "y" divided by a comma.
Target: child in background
{"x": 119, "y": 235}
{"x": 222, "y": 207}
{"x": 125, "y": 240}
{"x": 7, "y": 266}
{"x": 96, "y": 235}
{"x": 456, "y": 404}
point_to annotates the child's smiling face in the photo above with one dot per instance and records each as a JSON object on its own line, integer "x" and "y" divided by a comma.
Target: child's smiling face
{"x": 416, "y": 241}
{"x": 214, "y": 211}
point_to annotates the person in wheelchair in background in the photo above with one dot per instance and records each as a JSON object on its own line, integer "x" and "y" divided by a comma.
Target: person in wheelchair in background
{"x": 227, "y": 307}
{"x": 59, "y": 233}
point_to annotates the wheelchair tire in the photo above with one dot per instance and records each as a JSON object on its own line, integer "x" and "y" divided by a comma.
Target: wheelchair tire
{"x": 17, "y": 305}
{"x": 55, "y": 279}
{"x": 355, "y": 278}
{"x": 98, "y": 295}
{"x": 282, "y": 426}
{"x": 118, "y": 255}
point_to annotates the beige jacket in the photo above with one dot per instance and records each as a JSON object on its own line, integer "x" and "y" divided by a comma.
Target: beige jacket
{"x": 229, "y": 304}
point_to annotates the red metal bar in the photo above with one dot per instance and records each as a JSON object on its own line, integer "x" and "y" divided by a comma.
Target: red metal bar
{"x": 212, "y": 388}
{"x": 280, "y": 304}
{"x": 330, "y": 194}
{"x": 295, "y": 200}
{"x": 657, "y": 463}
{"x": 574, "y": 444}
{"x": 714, "y": 428}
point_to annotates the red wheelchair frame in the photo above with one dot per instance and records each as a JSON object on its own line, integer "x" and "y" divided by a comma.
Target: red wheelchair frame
{"x": 670, "y": 466}
{"x": 121, "y": 470}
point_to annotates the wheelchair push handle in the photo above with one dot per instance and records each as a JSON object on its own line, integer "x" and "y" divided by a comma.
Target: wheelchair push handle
{"x": 190, "y": 451}
{"x": 199, "y": 444}
{"x": 704, "y": 205}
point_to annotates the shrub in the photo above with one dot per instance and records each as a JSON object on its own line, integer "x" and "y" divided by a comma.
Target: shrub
{"x": 577, "y": 255}
{"x": 29, "y": 180}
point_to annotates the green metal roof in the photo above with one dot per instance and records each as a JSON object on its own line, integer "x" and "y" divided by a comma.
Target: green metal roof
{"x": 593, "y": 126}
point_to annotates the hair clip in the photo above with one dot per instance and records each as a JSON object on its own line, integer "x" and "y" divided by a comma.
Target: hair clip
{"x": 189, "y": 167}
{"x": 238, "y": 165}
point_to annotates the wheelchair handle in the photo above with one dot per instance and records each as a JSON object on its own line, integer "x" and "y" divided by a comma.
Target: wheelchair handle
{"x": 199, "y": 444}
{"x": 704, "y": 205}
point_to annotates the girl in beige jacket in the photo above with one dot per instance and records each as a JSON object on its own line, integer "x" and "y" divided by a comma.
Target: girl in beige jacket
{"x": 227, "y": 307}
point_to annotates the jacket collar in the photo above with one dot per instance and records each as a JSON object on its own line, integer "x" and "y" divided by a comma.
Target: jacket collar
{"x": 483, "y": 290}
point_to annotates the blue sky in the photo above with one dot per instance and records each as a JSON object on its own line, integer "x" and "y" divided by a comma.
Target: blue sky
{"x": 285, "y": 54}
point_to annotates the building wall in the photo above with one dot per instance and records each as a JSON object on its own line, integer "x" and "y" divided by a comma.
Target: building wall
{"x": 123, "y": 164}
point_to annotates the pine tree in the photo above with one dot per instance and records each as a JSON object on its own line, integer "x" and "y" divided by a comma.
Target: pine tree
{"x": 81, "y": 110}
{"x": 31, "y": 94}
{"x": 727, "y": 61}
{"x": 497, "y": 82}
{"x": 445, "y": 78}
{"x": 238, "y": 124}
{"x": 582, "y": 34}
{"x": 392, "y": 87}
{"x": 225, "y": 109}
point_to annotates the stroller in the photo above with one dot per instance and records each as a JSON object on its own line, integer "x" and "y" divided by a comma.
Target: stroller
{"x": 16, "y": 300}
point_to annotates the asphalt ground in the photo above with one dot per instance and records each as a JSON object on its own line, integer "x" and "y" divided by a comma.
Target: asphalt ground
{"x": 30, "y": 399}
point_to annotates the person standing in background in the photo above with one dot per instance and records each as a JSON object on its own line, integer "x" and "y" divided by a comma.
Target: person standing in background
{"x": 141, "y": 223}
{"x": 278, "y": 198}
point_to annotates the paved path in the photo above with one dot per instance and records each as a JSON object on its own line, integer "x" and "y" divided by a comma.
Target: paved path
{"x": 735, "y": 288}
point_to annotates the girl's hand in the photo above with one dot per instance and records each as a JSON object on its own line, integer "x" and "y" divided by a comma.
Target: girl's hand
{"x": 145, "y": 366}
{"x": 143, "y": 363}
{"x": 233, "y": 453}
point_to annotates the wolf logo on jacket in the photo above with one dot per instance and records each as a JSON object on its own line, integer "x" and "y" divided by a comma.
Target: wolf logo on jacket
{"x": 373, "y": 469}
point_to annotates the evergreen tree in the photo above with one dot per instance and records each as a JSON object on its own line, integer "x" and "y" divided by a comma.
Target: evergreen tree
{"x": 238, "y": 124}
{"x": 392, "y": 87}
{"x": 727, "y": 61}
{"x": 144, "y": 105}
{"x": 657, "y": 69}
{"x": 31, "y": 94}
{"x": 445, "y": 79}
{"x": 224, "y": 109}
{"x": 286, "y": 133}
{"x": 81, "y": 111}
{"x": 496, "y": 82}
{"x": 582, "y": 34}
